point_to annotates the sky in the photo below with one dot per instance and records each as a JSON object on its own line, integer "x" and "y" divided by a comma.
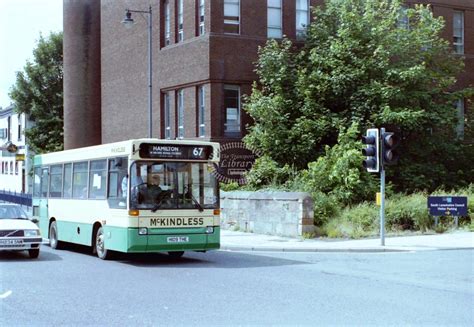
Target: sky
{"x": 20, "y": 27}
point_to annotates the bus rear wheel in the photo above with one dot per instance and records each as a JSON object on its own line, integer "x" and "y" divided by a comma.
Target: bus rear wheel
{"x": 53, "y": 236}
{"x": 176, "y": 254}
{"x": 100, "y": 249}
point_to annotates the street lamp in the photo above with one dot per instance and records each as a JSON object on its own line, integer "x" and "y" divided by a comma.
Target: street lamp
{"x": 129, "y": 22}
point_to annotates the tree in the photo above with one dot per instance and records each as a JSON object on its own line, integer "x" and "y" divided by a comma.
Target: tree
{"x": 38, "y": 93}
{"x": 360, "y": 64}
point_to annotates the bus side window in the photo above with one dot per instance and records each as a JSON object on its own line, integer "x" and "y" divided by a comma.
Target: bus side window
{"x": 67, "y": 192}
{"x": 117, "y": 172}
{"x": 56, "y": 181}
{"x": 97, "y": 178}
{"x": 79, "y": 180}
{"x": 113, "y": 185}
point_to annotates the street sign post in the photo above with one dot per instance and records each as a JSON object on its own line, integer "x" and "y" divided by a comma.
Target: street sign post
{"x": 447, "y": 206}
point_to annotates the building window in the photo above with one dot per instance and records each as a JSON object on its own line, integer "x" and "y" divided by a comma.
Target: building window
{"x": 460, "y": 115}
{"x": 274, "y": 19}
{"x": 302, "y": 18}
{"x": 201, "y": 17}
{"x": 232, "y": 16}
{"x": 180, "y": 114}
{"x": 9, "y": 128}
{"x": 167, "y": 116}
{"x": 16, "y": 167}
{"x": 19, "y": 127}
{"x": 180, "y": 21}
{"x": 167, "y": 22}
{"x": 232, "y": 110}
{"x": 201, "y": 111}
{"x": 458, "y": 32}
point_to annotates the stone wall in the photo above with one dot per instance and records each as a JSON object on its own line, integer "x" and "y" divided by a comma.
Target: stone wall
{"x": 275, "y": 213}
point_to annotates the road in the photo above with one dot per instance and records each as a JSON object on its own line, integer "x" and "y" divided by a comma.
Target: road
{"x": 72, "y": 287}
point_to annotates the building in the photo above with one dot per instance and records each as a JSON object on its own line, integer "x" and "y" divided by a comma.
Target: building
{"x": 13, "y": 174}
{"x": 203, "y": 61}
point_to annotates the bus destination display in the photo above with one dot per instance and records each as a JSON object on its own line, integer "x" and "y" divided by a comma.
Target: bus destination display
{"x": 172, "y": 151}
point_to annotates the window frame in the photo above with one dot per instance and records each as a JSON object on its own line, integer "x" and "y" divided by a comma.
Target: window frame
{"x": 238, "y": 130}
{"x": 230, "y": 19}
{"x": 167, "y": 21}
{"x": 274, "y": 27}
{"x": 180, "y": 21}
{"x": 201, "y": 111}
{"x": 180, "y": 113}
{"x": 201, "y": 11}
{"x": 167, "y": 114}
{"x": 458, "y": 40}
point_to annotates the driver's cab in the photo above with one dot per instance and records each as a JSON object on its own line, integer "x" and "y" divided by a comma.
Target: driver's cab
{"x": 171, "y": 185}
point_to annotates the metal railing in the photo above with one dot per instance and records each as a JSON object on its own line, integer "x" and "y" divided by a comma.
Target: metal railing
{"x": 23, "y": 199}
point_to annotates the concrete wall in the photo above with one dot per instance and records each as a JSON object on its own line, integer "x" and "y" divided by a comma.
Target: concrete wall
{"x": 275, "y": 213}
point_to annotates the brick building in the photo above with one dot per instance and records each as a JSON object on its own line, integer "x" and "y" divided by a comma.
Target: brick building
{"x": 203, "y": 61}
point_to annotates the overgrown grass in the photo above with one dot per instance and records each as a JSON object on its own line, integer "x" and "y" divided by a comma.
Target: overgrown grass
{"x": 402, "y": 213}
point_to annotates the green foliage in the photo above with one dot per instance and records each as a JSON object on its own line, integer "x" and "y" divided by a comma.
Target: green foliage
{"x": 354, "y": 222}
{"x": 402, "y": 212}
{"x": 359, "y": 65}
{"x": 38, "y": 92}
{"x": 339, "y": 172}
{"x": 408, "y": 212}
{"x": 228, "y": 187}
{"x": 266, "y": 172}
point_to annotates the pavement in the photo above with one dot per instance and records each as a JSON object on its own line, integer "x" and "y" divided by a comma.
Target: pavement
{"x": 241, "y": 241}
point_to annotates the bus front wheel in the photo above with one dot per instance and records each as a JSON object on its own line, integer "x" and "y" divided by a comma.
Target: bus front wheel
{"x": 53, "y": 236}
{"x": 100, "y": 249}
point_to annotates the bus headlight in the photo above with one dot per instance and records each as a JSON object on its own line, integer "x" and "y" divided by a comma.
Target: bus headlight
{"x": 209, "y": 230}
{"x": 143, "y": 231}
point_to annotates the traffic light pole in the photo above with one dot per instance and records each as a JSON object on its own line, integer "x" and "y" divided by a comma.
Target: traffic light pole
{"x": 382, "y": 198}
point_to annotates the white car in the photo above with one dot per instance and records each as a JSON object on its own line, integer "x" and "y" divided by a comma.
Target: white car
{"x": 17, "y": 232}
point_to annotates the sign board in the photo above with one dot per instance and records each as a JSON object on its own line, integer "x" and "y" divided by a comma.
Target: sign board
{"x": 20, "y": 157}
{"x": 178, "y": 152}
{"x": 447, "y": 205}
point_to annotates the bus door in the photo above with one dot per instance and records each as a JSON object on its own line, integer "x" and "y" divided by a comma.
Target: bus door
{"x": 40, "y": 192}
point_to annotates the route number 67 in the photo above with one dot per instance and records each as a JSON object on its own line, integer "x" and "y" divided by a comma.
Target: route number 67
{"x": 197, "y": 152}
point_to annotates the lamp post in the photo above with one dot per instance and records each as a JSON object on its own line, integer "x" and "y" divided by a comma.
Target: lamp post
{"x": 129, "y": 22}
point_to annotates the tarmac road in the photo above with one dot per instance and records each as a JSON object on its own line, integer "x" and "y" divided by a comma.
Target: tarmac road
{"x": 72, "y": 287}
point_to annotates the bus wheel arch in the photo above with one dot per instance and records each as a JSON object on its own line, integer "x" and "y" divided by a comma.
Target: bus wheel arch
{"x": 54, "y": 241}
{"x": 98, "y": 244}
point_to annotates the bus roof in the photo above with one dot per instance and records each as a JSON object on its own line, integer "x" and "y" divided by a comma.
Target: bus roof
{"x": 128, "y": 148}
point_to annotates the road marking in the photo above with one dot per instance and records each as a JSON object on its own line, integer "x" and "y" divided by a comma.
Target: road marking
{"x": 5, "y": 295}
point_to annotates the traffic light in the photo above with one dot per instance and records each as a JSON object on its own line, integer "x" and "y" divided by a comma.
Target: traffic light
{"x": 389, "y": 142}
{"x": 371, "y": 139}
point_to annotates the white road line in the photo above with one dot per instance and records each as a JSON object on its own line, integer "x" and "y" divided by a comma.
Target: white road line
{"x": 5, "y": 295}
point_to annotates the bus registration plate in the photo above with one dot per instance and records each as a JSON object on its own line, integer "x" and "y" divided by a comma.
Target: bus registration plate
{"x": 178, "y": 239}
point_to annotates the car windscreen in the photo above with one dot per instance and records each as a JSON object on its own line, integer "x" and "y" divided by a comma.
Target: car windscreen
{"x": 12, "y": 212}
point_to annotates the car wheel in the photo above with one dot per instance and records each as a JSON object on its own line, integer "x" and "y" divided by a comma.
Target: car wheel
{"x": 176, "y": 254}
{"x": 34, "y": 253}
{"x": 100, "y": 249}
{"x": 53, "y": 236}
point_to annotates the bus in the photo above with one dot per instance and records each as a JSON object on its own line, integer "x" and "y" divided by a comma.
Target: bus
{"x": 135, "y": 196}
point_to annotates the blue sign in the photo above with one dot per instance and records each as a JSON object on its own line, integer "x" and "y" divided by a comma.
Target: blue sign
{"x": 447, "y": 205}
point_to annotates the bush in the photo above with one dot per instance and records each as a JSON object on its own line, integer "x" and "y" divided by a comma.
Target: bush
{"x": 408, "y": 212}
{"x": 354, "y": 222}
{"x": 339, "y": 172}
{"x": 266, "y": 172}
